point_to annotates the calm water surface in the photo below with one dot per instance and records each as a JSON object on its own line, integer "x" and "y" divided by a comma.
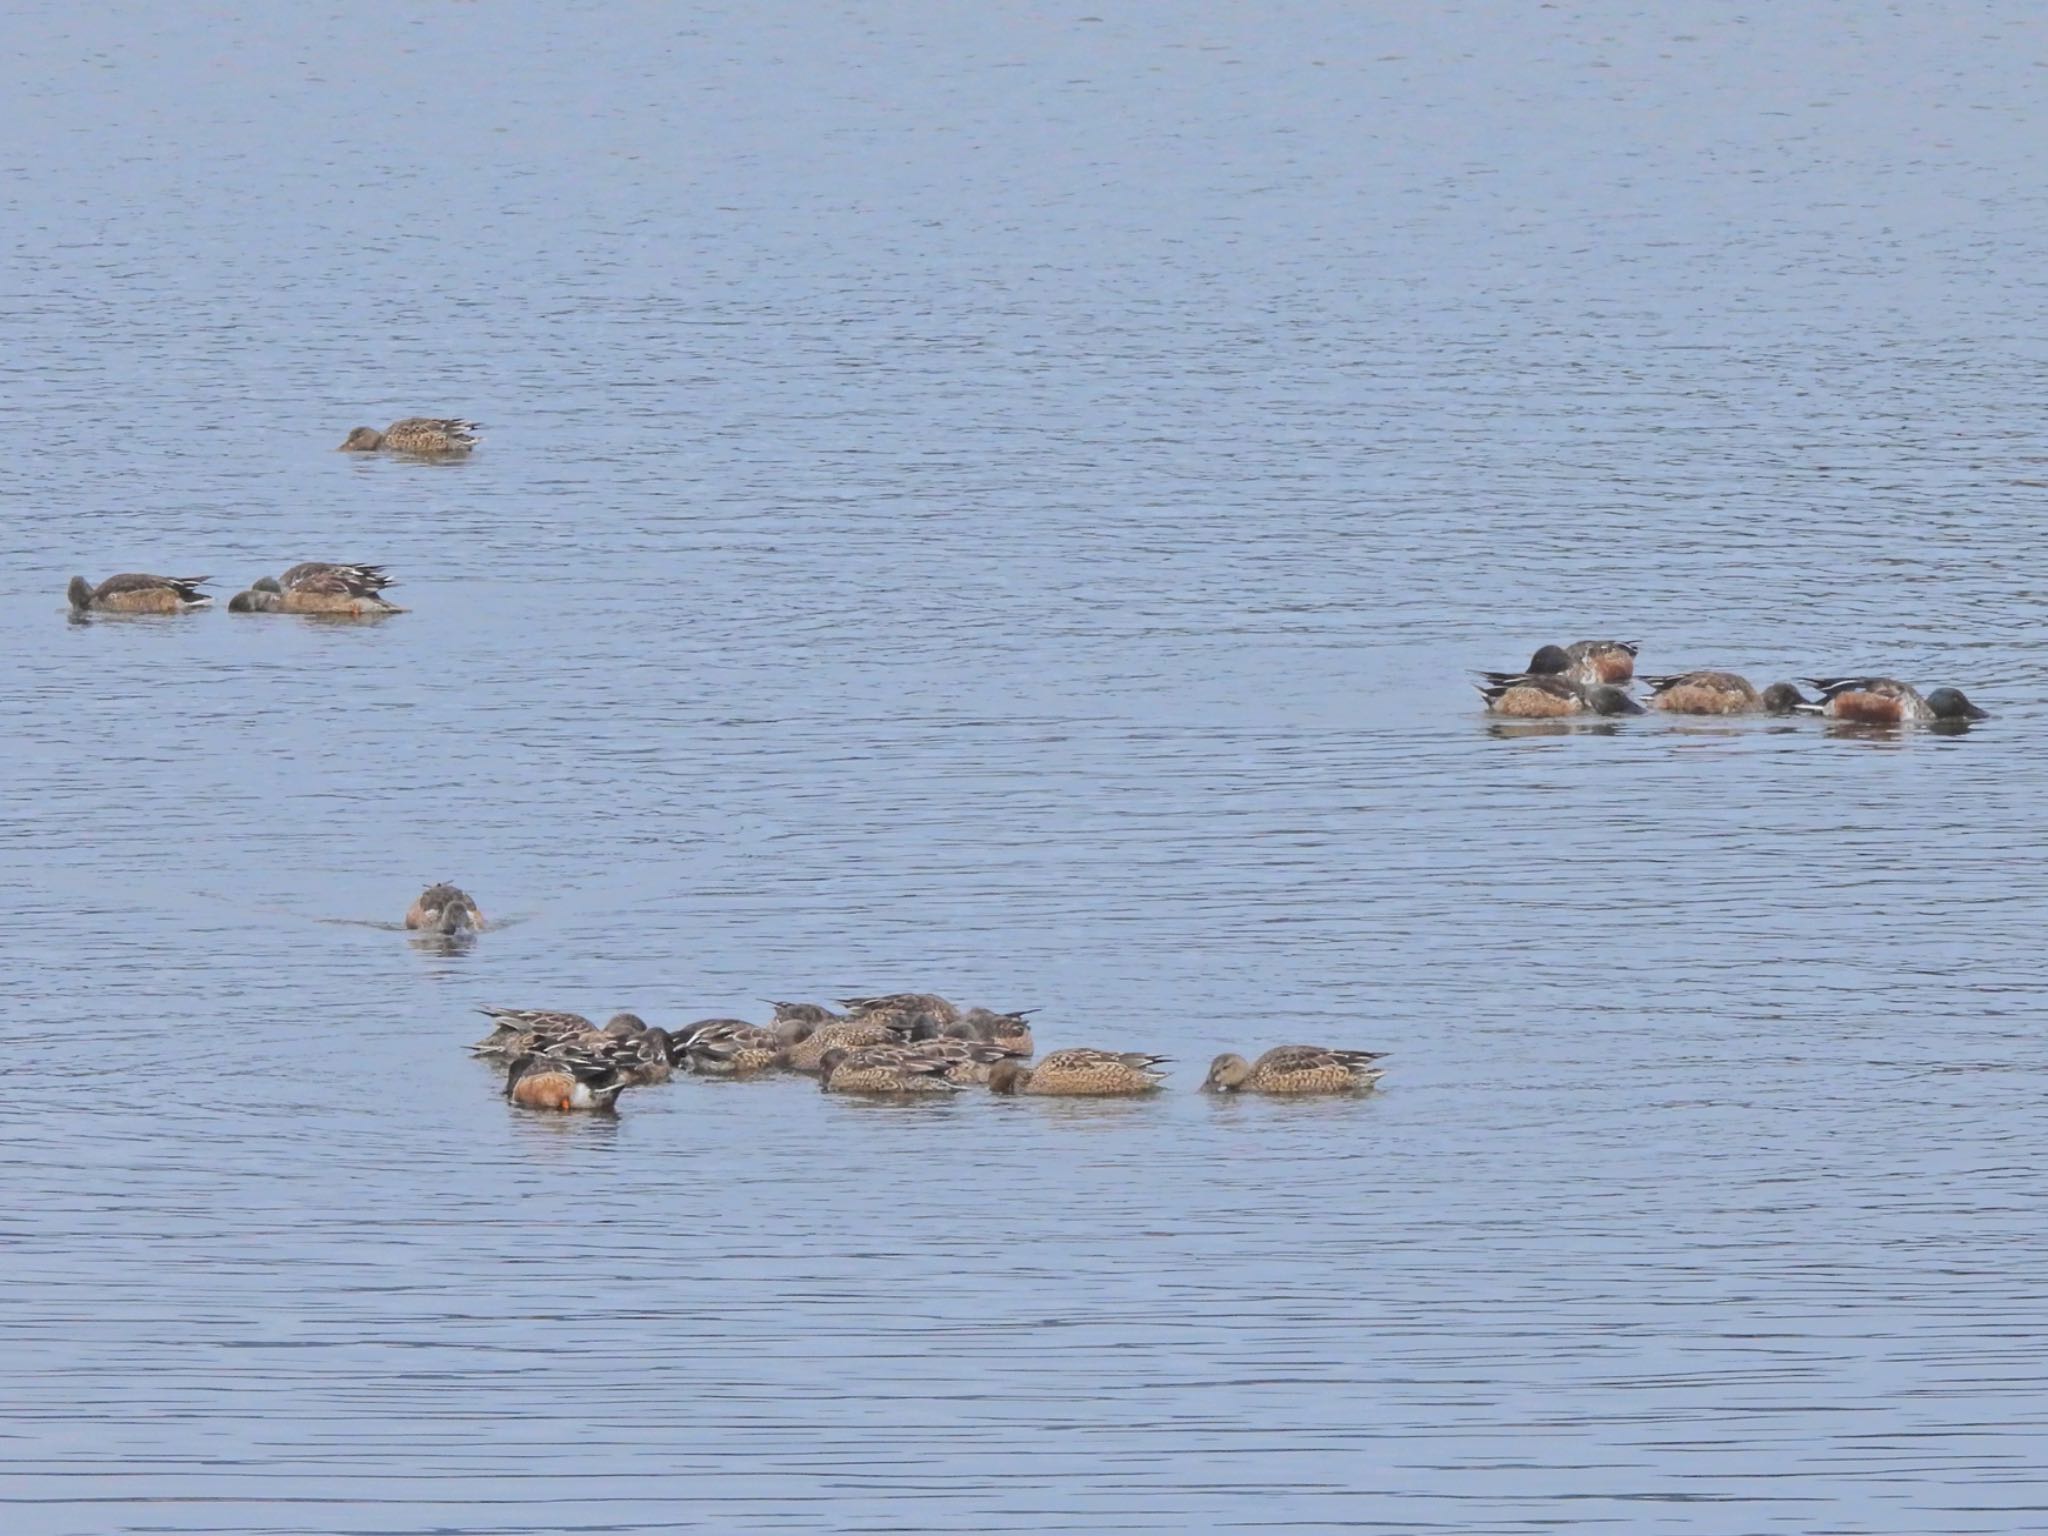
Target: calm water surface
{"x": 1001, "y": 500}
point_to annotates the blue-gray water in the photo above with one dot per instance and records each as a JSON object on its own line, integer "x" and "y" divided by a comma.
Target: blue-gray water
{"x": 1001, "y": 499}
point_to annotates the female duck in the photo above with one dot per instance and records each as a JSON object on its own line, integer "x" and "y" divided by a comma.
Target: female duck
{"x": 1080, "y": 1073}
{"x": 1295, "y": 1069}
{"x": 437, "y": 436}
{"x": 133, "y": 592}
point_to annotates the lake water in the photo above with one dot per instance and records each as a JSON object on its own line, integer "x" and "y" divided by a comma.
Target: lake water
{"x": 1003, "y": 500}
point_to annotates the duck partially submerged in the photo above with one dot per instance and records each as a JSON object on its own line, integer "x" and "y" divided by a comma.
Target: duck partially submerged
{"x": 1721, "y": 693}
{"x": 883, "y": 1070}
{"x": 134, "y": 592}
{"x": 444, "y": 908}
{"x": 1290, "y": 1069}
{"x": 1583, "y": 661}
{"x": 440, "y": 436}
{"x": 1080, "y": 1072}
{"x": 319, "y": 587}
{"x": 1530, "y": 697}
{"x": 1887, "y": 701}
{"x": 564, "y": 1080}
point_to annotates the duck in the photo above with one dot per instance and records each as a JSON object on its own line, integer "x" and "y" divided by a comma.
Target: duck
{"x": 1289, "y": 1069}
{"x": 444, "y": 908}
{"x": 1721, "y": 693}
{"x": 808, "y": 1054}
{"x": 515, "y": 1031}
{"x": 1080, "y": 1072}
{"x": 1011, "y": 1031}
{"x": 1583, "y": 661}
{"x": 444, "y": 436}
{"x": 735, "y": 1048}
{"x": 812, "y": 1014}
{"x": 133, "y": 592}
{"x": 319, "y": 587}
{"x": 964, "y": 1061}
{"x": 1887, "y": 701}
{"x": 908, "y": 1008}
{"x": 1531, "y": 697}
{"x": 882, "y": 1070}
{"x": 562, "y": 1081}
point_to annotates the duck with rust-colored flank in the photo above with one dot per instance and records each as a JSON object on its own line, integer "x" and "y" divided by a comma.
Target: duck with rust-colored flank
{"x": 436, "y": 436}
{"x": 320, "y": 587}
{"x": 133, "y": 592}
{"x": 1081, "y": 1073}
{"x": 564, "y": 1080}
{"x": 1295, "y": 1069}
{"x": 882, "y": 1069}
{"x": 1583, "y": 661}
{"x": 1887, "y": 701}
{"x": 1721, "y": 693}
{"x": 1547, "y": 698}
{"x": 444, "y": 908}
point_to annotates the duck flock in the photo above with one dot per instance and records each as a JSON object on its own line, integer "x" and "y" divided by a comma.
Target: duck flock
{"x": 906, "y": 1043}
{"x": 918, "y": 1043}
{"x": 1591, "y": 677}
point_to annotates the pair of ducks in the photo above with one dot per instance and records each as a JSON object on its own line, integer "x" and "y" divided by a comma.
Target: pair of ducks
{"x": 1587, "y": 677}
{"x": 311, "y": 587}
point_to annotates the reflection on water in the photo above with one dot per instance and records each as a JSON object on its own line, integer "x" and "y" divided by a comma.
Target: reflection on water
{"x": 1007, "y": 502}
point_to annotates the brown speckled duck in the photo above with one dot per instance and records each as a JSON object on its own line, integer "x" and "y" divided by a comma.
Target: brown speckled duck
{"x": 1081, "y": 1073}
{"x": 444, "y": 908}
{"x": 882, "y": 1069}
{"x": 1295, "y": 1069}
{"x": 133, "y": 592}
{"x": 441, "y": 436}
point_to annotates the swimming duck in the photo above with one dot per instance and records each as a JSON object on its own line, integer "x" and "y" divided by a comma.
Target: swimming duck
{"x": 882, "y": 1071}
{"x": 735, "y": 1048}
{"x": 1080, "y": 1072}
{"x": 319, "y": 587}
{"x": 1583, "y": 661}
{"x": 812, "y": 1014}
{"x": 515, "y": 1031}
{"x": 445, "y": 436}
{"x": 132, "y": 592}
{"x": 1886, "y": 701}
{"x": 1295, "y": 1069}
{"x": 1720, "y": 693}
{"x": 444, "y": 908}
{"x": 563, "y": 1081}
{"x": 906, "y": 1008}
{"x": 808, "y": 1054}
{"x": 1536, "y": 698}
{"x": 1011, "y": 1031}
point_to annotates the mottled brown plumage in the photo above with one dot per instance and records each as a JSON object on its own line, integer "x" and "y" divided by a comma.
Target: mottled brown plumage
{"x": 1080, "y": 1072}
{"x": 439, "y": 436}
{"x": 133, "y": 592}
{"x": 1289, "y": 1069}
{"x": 444, "y": 908}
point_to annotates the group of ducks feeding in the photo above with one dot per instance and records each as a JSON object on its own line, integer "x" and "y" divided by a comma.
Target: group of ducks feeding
{"x": 904, "y": 1045}
{"x": 320, "y": 587}
{"x": 317, "y": 587}
{"x": 1590, "y": 678}
{"x": 907, "y": 1043}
